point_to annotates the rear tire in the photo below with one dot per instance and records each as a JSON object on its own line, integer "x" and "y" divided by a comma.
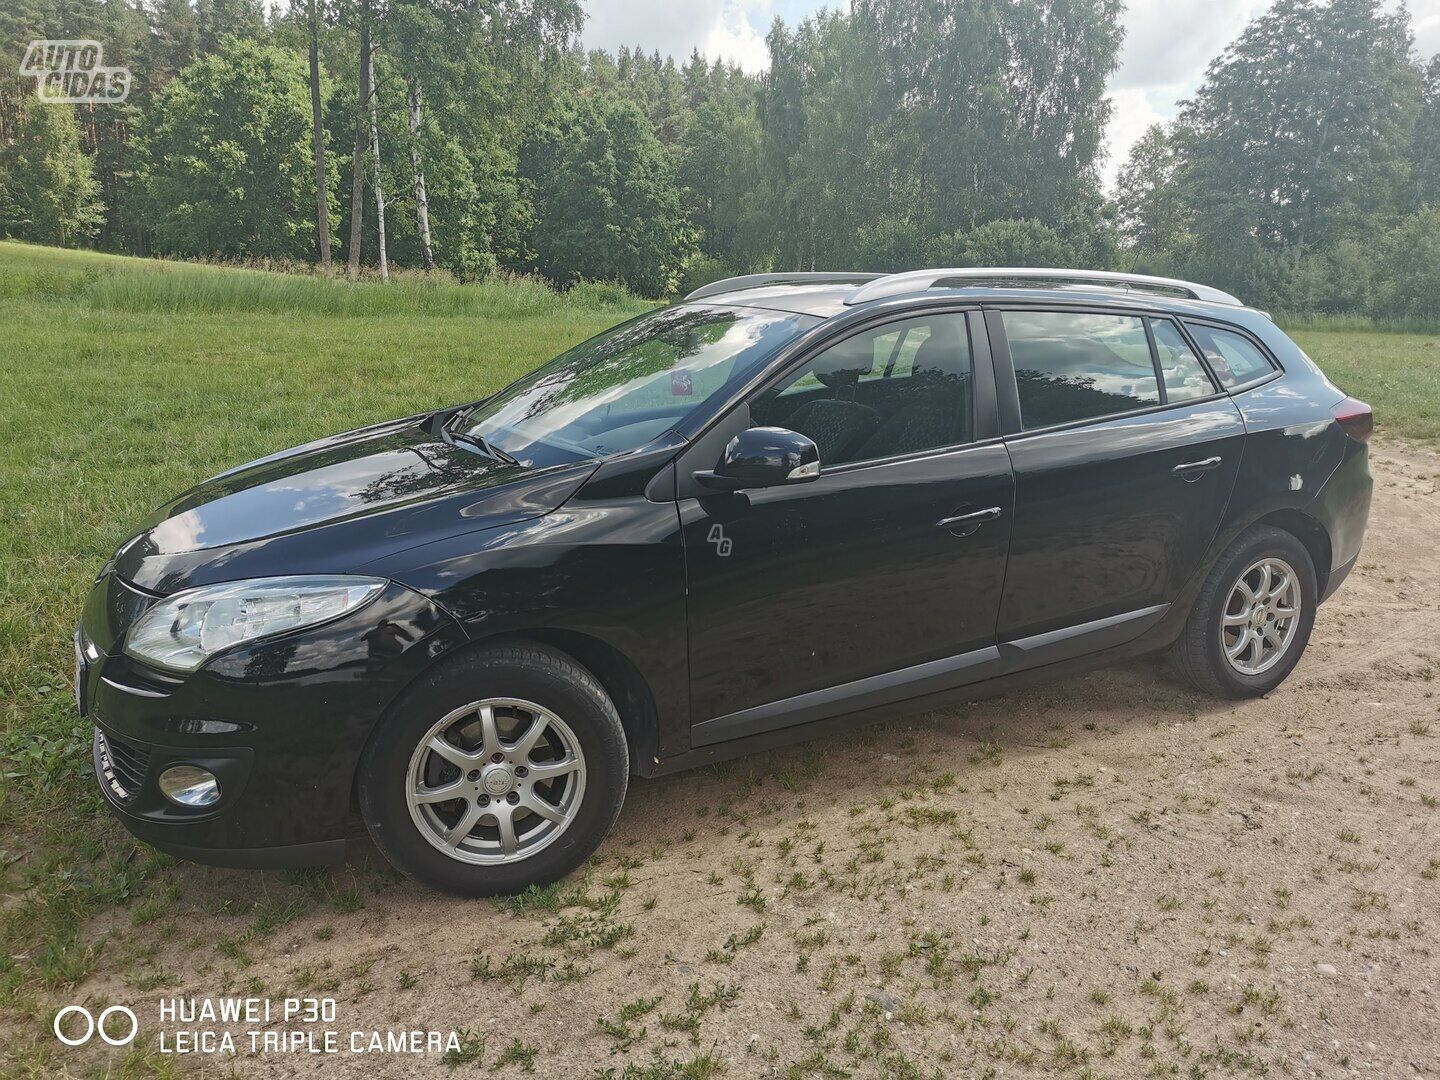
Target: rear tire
{"x": 501, "y": 769}
{"x": 1252, "y": 619}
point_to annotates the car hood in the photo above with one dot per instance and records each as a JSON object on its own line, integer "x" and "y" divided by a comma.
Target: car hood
{"x": 333, "y": 505}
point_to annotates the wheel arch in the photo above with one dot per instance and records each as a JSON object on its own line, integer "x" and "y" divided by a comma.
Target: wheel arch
{"x": 622, "y": 680}
{"x": 619, "y": 676}
{"x": 1310, "y": 532}
{"x": 1304, "y": 526}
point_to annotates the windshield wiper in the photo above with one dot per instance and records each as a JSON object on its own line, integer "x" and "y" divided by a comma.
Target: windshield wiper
{"x": 452, "y": 427}
{"x": 487, "y": 448}
{"x": 458, "y": 417}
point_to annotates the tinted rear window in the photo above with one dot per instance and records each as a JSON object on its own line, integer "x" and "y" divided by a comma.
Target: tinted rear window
{"x": 1234, "y": 357}
{"x": 1077, "y": 366}
{"x": 1184, "y": 375}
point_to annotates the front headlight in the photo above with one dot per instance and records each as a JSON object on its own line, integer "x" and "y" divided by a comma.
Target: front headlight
{"x": 182, "y": 631}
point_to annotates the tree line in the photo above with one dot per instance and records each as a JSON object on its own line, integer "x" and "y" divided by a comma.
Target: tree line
{"x": 478, "y": 136}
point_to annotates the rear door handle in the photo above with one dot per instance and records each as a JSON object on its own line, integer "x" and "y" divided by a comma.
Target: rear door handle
{"x": 970, "y": 521}
{"x": 1190, "y": 471}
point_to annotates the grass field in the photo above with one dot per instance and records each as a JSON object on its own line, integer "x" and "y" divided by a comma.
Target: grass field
{"x": 1397, "y": 373}
{"x": 122, "y": 382}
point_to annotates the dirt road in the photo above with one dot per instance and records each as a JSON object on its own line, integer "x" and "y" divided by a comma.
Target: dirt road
{"x": 1112, "y": 873}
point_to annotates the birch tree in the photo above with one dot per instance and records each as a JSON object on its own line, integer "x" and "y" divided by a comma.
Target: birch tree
{"x": 417, "y": 172}
{"x": 379, "y": 184}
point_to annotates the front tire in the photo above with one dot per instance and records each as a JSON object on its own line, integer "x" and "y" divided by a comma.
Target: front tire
{"x": 1253, "y": 616}
{"x": 501, "y": 769}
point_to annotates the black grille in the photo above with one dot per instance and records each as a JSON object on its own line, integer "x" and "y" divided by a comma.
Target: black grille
{"x": 123, "y": 765}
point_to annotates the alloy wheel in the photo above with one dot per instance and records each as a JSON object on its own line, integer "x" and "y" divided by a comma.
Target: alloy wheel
{"x": 1262, "y": 616}
{"x": 495, "y": 781}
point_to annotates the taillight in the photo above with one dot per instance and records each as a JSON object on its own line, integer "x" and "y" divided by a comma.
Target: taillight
{"x": 1356, "y": 418}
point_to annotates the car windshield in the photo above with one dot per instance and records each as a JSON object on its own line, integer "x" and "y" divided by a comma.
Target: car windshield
{"x": 623, "y": 389}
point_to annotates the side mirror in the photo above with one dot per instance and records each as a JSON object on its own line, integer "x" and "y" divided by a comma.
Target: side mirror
{"x": 764, "y": 457}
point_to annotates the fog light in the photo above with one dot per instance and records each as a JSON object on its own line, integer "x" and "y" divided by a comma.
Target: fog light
{"x": 190, "y": 785}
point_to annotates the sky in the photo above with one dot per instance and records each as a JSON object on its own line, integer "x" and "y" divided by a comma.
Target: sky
{"x": 1168, "y": 44}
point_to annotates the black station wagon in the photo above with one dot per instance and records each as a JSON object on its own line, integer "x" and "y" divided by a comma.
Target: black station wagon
{"x": 787, "y": 505}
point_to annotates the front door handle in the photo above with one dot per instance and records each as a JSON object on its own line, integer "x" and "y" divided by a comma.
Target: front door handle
{"x": 1191, "y": 471}
{"x": 969, "y": 522}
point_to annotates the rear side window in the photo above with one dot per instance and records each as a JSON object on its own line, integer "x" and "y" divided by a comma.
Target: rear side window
{"x": 1234, "y": 357}
{"x": 1077, "y": 366}
{"x": 1180, "y": 368}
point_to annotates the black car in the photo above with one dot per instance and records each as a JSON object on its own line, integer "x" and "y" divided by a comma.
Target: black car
{"x": 787, "y": 505}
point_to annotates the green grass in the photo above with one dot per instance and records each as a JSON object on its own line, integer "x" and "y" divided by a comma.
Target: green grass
{"x": 114, "y": 283}
{"x": 124, "y": 381}
{"x": 1293, "y": 321}
{"x": 1397, "y": 373}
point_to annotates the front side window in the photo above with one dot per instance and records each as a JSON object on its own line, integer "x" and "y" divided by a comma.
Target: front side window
{"x": 899, "y": 388}
{"x": 628, "y": 386}
{"x": 1184, "y": 375}
{"x": 1235, "y": 358}
{"x": 1077, "y": 366}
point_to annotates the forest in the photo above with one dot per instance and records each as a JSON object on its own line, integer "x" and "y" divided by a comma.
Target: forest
{"x": 468, "y": 138}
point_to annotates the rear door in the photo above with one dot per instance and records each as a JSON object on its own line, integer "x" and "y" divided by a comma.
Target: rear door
{"x": 1125, "y": 451}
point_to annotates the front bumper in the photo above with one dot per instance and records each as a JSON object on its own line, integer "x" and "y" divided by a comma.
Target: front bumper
{"x": 280, "y": 722}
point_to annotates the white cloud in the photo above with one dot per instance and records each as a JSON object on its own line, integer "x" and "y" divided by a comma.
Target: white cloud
{"x": 736, "y": 38}
{"x": 1169, "y": 42}
{"x": 1425, "y": 18}
{"x": 732, "y": 30}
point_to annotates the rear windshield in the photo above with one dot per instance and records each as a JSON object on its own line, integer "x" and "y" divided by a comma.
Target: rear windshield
{"x": 623, "y": 389}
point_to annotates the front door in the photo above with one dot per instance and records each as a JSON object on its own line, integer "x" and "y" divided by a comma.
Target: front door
{"x": 800, "y": 590}
{"x": 1125, "y": 452}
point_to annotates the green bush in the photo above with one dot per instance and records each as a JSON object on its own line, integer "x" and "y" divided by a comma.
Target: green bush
{"x": 702, "y": 270}
{"x": 602, "y": 295}
{"x": 1408, "y": 285}
{"x": 1003, "y": 243}
{"x": 607, "y": 205}
{"x": 48, "y": 190}
{"x": 888, "y": 245}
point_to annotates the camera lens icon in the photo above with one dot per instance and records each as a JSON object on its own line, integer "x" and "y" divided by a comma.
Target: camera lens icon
{"x": 97, "y": 1025}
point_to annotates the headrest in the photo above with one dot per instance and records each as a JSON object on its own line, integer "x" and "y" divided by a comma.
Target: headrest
{"x": 843, "y": 364}
{"x": 940, "y": 352}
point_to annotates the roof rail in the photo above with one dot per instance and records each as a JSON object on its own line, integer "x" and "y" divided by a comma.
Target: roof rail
{"x": 759, "y": 281}
{"x": 920, "y": 280}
